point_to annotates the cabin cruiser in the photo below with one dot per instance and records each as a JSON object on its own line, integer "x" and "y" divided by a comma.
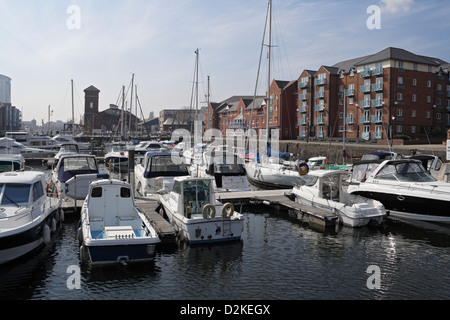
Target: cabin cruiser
{"x": 10, "y": 146}
{"x": 67, "y": 148}
{"x": 117, "y": 156}
{"x": 325, "y": 191}
{"x": 404, "y": 187}
{"x": 155, "y": 172}
{"x": 65, "y": 138}
{"x": 28, "y": 216}
{"x": 113, "y": 230}
{"x": 431, "y": 163}
{"x": 71, "y": 176}
{"x": 149, "y": 146}
{"x": 226, "y": 168}
{"x": 321, "y": 162}
{"x": 191, "y": 207}
{"x": 12, "y": 162}
{"x": 32, "y": 141}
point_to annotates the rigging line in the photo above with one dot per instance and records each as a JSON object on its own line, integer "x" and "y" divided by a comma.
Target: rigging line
{"x": 257, "y": 75}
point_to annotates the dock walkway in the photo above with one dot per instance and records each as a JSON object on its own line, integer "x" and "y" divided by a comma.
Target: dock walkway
{"x": 149, "y": 207}
{"x": 281, "y": 198}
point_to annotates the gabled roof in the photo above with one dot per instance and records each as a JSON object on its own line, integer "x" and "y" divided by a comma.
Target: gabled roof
{"x": 91, "y": 88}
{"x": 399, "y": 54}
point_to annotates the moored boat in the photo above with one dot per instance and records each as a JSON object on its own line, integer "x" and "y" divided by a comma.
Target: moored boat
{"x": 404, "y": 187}
{"x": 28, "y": 216}
{"x": 191, "y": 207}
{"x": 113, "y": 230}
{"x": 325, "y": 191}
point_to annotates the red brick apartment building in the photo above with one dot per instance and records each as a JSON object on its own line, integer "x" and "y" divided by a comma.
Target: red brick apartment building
{"x": 392, "y": 93}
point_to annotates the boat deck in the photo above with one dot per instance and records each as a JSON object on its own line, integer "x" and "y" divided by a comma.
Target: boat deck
{"x": 280, "y": 198}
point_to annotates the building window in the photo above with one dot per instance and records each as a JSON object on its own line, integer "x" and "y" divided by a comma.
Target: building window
{"x": 400, "y": 80}
{"x": 438, "y": 116}
{"x": 413, "y": 113}
{"x": 429, "y": 99}
{"x": 399, "y": 112}
{"x": 414, "y": 98}
{"x": 400, "y": 96}
{"x": 399, "y": 128}
{"x": 91, "y": 105}
{"x": 414, "y": 82}
{"x": 429, "y": 83}
{"x": 428, "y": 115}
{"x": 413, "y": 129}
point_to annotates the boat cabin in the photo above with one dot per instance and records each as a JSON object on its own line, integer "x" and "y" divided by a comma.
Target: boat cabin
{"x": 190, "y": 194}
{"x": 162, "y": 165}
{"x": 12, "y": 162}
{"x": 327, "y": 183}
{"x": 71, "y": 165}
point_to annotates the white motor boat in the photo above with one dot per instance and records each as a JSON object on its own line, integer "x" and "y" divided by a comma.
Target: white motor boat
{"x": 404, "y": 187}
{"x": 225, "y": 167}
{"x": 71, "y": 176}
{"x": 67, "y": 148}
{"x": 325, "y": 191}
{"x": 155, "y": 172}
{"x": 65, "y": 138}
{"x": 10, "y": 146}
{"x": 12, "y": 162}
{"x": 28, "y": 216}
{"x": 149, "y": 146}
{"x": 191, "y": 207}
{"x": 117, "y": 156}
{"x": 33, "y": 141}
{"x": 113, "y": 230}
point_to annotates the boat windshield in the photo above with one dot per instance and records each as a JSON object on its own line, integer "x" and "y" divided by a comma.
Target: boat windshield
{"x": 69, "y": 148}
{"x": 164, "y": 166}
{"x": 196, "y": 194}
{"x": 76, "y": 165}
{"x": 15, "y": 194}
{"x": 119, "y": 148}
{"x": 405, "y": 171}
{"x": 360, "y": 172}
{"x": 7, "y": 165}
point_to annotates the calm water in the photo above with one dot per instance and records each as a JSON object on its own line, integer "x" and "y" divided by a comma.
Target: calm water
{"x": 278, "y": 258}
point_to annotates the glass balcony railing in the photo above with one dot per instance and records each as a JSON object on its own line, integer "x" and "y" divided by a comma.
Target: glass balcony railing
{"x": 365, "y": 74}
{"x": 320, "y": 94}
{"x": 377, "y": 87}
{"x": 377, "y": 119}
{"x": 364, "y": 119}
{"x": 319, "y": 82}
{"x": 349, "y": 92}
{"x": 377, "y": 103}
{"x": 320, "y": 107}
{"x": 377, "y": 71}
{"x": 364, "y": 104}
{"x": 365, "y": 88}
{"x": 302, "y": 109}
{"x": 303, "y": 85}
{"x": 302, "y": 96}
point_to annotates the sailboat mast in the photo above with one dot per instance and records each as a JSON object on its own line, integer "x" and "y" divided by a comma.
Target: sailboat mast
{"x": 121, "y": 115}
{"x": 268, "y": 68}
{"x": 131, "y": 103}
{"x": 196, "y": 85}
{"x": 73, "y": 112}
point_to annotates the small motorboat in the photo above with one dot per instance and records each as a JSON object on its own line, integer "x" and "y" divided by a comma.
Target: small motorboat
{"x": 155, "y": 172}
{"x": 12, "y": 162}
{"x": 117, "y": 156}
{"x": 28, "y": 216}
{"x": 113, "y": 230}
{"x": 325, "y": 191}
{"x": 191, "y": 207}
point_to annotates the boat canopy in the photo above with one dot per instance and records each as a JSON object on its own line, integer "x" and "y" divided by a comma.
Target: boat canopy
{"x": 161, "y": 164}
{"x": 73, "y": 165}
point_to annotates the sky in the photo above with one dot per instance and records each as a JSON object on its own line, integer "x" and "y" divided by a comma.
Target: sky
{"x": 44, "y": 44}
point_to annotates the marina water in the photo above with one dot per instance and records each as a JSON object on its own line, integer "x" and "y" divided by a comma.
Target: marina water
{"x": 279, "y": 258}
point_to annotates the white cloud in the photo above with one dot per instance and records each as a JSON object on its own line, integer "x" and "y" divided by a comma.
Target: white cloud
{"x": 395, "y": 6}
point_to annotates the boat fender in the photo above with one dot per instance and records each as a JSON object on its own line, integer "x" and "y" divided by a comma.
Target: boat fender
{"x": 188, "y": 212}
{"x": 227, "y": 209}
{"x": 46, "y": 234}
{"x": 61, "y": 215}
{"x": 53, "y": 225}
{"x": 208, "y": 211}
{"x": 80, "y": 236}
{"x": 303, "y": 168}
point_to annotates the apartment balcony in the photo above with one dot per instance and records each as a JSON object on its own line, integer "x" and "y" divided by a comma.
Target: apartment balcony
{"x": 320, "y": 94}
{"x": 365, "y": 89}
{"x": 320, "y": 82}
{"x": 302, "y": 109}
{"x": 319, "y": 107}
{"x": 377, "y": 103}
{"x": 320, "y": 134}
{"x": 377, "y": 87}
{"x": 365, "y": 74}
{"x": 364, "y": 104}
{"x": 302, "y": 85}
{"x": 377, "y": 119}
{"x": 319, "y": 121}
{"x": 377, "y": 71}
{"x": 301, "y": 121}
{"x": 378, "y": 135}
{"x": 349, "y": 120}
{"x": 364, "y": 119}
{"x": 302, "y": 96}
{"x": 349, "y": 92}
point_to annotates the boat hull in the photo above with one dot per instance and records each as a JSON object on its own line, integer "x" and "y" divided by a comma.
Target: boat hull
{"x": 410, "y": 206}
{"x": 29, "y": 238}
{"x": 203, "y": 231}
{"x": 263, "y": 177}
{"x": 125, "y": 253}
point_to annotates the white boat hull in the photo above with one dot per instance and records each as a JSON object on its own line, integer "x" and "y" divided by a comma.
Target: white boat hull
{"x": 272, "y": 176}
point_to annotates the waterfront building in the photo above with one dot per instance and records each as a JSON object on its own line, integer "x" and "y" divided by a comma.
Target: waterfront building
{"x": 5, "y": 89}
{"x": 390, "y": 94}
